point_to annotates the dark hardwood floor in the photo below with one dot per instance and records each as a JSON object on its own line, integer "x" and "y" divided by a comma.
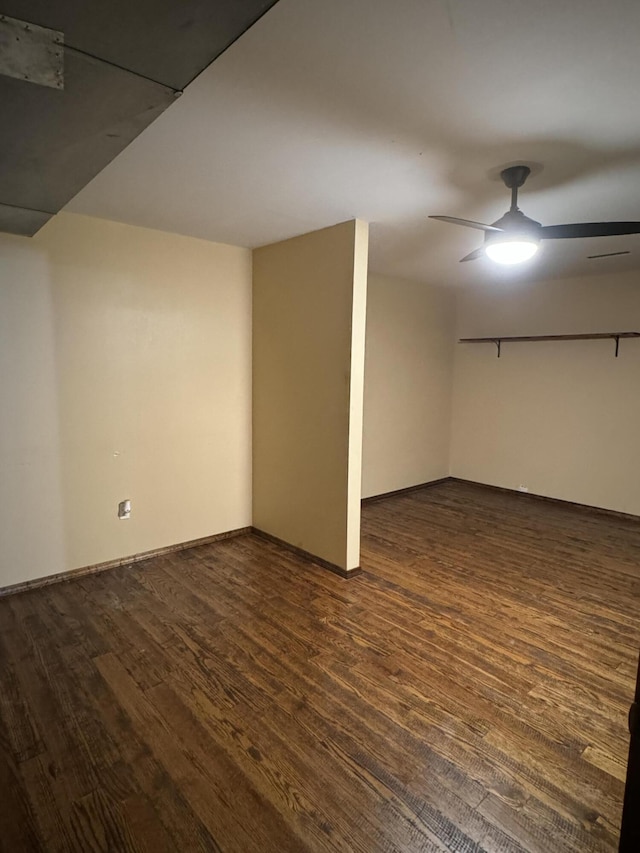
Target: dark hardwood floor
{"x": 468, "y": 692}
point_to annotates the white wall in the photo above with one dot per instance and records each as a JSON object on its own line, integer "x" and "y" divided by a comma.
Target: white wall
{"x": 309, "y": 304}
{"x": 125, "y": 371}
{"x": 562, "y": 418}
{"x": 408, "y": 384}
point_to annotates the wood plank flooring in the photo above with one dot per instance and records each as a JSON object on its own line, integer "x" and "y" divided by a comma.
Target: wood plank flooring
{"x": 468, "y": 692}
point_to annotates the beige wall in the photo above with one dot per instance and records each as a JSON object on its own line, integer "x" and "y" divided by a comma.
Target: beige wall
{"x": 309, "y": 302}
{"x": 561, "y": 418}
{"x": 408, "y": 384}
{"x": 125, "y": 370}
{"x": 125, "y": 365}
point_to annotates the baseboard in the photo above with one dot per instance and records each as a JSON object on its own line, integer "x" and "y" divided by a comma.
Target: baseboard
{"x": 594, "y": 510}
{"x": 306, "y": 555}
{"x": 526, "y": 495}
{"x": 74, "y": 574}
{"x": 405, "y": 491}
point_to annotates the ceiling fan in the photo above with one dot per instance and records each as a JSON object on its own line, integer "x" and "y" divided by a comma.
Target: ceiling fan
{"x": 515, "y": 237}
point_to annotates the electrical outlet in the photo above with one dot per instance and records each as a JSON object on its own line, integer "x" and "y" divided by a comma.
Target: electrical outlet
{"x": 124, "y": 509}
{"x": 522, "y": 488}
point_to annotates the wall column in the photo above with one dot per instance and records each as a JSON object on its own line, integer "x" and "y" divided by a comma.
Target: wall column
{"x": 309, "y": 308}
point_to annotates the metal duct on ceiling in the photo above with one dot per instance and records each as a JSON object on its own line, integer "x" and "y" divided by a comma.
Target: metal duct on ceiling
{"x": 124, "y": 64}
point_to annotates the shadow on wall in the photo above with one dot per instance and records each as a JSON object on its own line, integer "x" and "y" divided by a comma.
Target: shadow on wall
{"x": 31, "y": 492}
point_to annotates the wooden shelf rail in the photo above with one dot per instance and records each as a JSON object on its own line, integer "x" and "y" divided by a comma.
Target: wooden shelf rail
{"x": 595, "y": 336}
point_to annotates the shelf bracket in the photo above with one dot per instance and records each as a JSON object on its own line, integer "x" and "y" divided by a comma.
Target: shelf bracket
{"x": 498, "y": 343}
{"x": 617, "y": 338}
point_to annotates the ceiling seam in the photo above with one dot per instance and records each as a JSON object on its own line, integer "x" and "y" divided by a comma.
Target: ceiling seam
{"x": 121, "y": 68}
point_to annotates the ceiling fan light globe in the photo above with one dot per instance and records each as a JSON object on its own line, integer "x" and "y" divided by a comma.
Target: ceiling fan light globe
{"x": 511, "y": 251}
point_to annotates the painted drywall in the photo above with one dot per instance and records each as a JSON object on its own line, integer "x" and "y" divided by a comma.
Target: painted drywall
{"x": 309, "y": 304}
{"x": 560, "y": 418}
{"x": 407, "y": 385}
{"x": 125, "y": 367}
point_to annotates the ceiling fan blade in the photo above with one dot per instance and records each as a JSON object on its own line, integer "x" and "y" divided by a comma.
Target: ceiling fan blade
{"x": 588, "y": 229}
{"x": 473, "y": 256}
{"x": 468, "y": 223}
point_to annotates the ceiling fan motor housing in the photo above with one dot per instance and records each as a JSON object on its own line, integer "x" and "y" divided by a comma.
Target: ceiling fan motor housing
{"x": 515, "y": 223}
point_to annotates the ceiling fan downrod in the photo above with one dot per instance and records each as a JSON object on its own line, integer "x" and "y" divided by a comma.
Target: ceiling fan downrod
{"x": 513, "y": 178}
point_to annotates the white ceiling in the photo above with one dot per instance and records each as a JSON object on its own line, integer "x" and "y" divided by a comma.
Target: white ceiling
{"x": 390, "y": 110}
